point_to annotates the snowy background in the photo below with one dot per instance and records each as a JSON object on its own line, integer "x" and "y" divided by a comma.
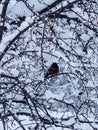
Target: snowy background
{"x": 34, "y": 34}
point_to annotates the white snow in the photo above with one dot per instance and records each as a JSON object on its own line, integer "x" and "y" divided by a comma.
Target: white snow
{"x": 14, "y": 72}
{"x": 28, "y": 66}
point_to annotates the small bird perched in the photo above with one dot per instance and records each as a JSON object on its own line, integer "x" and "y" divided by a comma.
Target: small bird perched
{"x": 52, "y": 71}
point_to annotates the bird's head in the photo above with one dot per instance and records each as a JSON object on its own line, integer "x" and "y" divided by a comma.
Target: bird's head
{"x": 54, "y": 64}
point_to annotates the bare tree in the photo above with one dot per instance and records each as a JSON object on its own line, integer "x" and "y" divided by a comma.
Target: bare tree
{"x": 61, "y": 31}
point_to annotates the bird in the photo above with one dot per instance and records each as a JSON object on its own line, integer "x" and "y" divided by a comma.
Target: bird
{"x": 52, "y": 71}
